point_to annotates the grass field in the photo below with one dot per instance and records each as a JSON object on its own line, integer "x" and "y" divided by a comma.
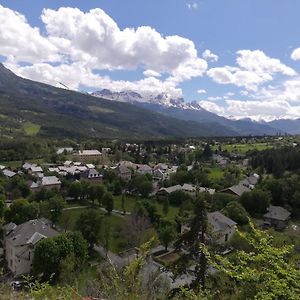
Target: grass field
{"x": 215, "y": 173}
{"x": 244, "y": 148}
{"x": 31, "y": 129}
{"x": 117, "y": 243}
{"x": 130, "y": 204}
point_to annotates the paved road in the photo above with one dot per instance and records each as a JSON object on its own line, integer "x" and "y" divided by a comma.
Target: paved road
{"x": 75, "y": 207}
{"x": 114, "y": 211}
{"x": 115, "y": 259}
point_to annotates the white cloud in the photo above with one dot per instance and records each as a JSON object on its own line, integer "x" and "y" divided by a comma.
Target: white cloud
{"x": 296, "y": 54}
{"x": 201, "y": 91}
{"x": 72, "y": 75}
{"x": 213, "y": 107}
{"x": 289, "y": 91}
{"x": 258, "y": 62}
{"x": 254, "y": 68}
{"x": 21, "y": 42}
{"x": 192, "y": 5}
{"x": 214, "y": 98}
{"x": 208, "y": 55}
{"x": 86, "y": 42}
{"x": 95, "y": 37}
{"x": 257, "y": 110}
{"x": 151, "y": 73}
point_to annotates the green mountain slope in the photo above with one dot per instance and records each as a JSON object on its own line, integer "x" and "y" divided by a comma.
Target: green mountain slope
{"x": 29, "y": 107}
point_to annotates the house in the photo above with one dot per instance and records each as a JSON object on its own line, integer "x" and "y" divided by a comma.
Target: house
{"x": 88, "y": 155}
{"x": 123, "y": 172}
{"x": 220, "y": 160}
{"x": 144, "y": 169}
{"x": 158, "y": 174}
{"x": 222, "y": 227}
{"x": 68, "y": 163}
{"x": 9, "y": 173}
{"x": 90, "y": 166}
{"x": 36, "y": 170}
{"x": 276, "y": 217}
{"x": 32, "y": 168}
{"x": 27, "y": 166}
{"x": 93, "y": 175}
{"x": 187, "y": 188}
{"x": 47, "y": 182}
{"x": 128, "y": 164}
{"x": 51, "y": 182}
{"x": 236, "y": 190}
{"x": 162, "y": 167}
{"x": 20, "y": 242}
{"x": 63, "y": 150}
{"x": 106, "y": 150}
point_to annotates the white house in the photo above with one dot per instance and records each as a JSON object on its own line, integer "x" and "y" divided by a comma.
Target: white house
{"x": 222, "y": 227}
{"x": 47, "y": 182}
{"x": 20, "y": 242}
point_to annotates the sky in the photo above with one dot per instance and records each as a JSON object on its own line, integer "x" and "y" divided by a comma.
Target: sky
{"x": 237, "y": 58}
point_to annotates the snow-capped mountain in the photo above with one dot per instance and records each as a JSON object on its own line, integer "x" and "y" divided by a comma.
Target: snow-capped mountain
{"x": 187, "y": 111}
{"x": 163, "y": 99}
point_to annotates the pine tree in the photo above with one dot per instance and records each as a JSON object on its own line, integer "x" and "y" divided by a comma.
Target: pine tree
{"x": 191, "y": 241}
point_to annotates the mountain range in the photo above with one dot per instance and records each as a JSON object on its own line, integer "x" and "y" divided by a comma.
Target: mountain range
{"x": 192, "y": 111}
{"x": 30, "y": 107}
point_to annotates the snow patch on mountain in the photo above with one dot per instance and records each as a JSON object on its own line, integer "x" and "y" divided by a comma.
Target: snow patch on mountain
{"x": 163, "y": 99}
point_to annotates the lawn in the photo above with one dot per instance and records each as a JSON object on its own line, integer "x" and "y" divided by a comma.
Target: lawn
{"x": 69, "y": 217}
{"x": 215, "y": 173}
{"x": 244, "y": 148}
{"x": 130, "y": 204}
{"x": 117, "y": 242}
{"x": 31, "y": 129}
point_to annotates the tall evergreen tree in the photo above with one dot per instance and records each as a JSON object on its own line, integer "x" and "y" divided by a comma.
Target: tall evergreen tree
{"x": 191, "y": 240}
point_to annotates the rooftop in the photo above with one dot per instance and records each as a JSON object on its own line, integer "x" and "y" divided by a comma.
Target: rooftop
{"x": 89, "y": 152}
{"x": 277, "y": 213}
{"x": 29, "y": 232}
{"x": 219, "y": 222}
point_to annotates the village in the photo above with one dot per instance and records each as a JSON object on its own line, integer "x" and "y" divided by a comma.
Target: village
{"x": 133, "y": 202}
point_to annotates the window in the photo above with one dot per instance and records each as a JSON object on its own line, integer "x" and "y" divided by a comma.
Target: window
{"x": 226, "y": 237}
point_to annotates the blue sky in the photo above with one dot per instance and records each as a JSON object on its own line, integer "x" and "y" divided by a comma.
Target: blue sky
{"x": 250, "y": 70}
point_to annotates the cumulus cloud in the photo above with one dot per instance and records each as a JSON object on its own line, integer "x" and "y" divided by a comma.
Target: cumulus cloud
{"x": 254, "y": 68}
{"x": 208, "y": 55}
{"x": 76, "y": 74}
{"x": 296, "y": 54}
{"x": 21, "y": 42}
{"x": 257, "y": 110}
{"x": 212, "y": 107}
{"x": 83, "y": 42}
{"x": 258, "y": 62}
{"x": 97, "y": 37}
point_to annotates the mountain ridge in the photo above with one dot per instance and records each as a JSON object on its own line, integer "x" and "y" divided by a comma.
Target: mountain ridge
{"x": 188, "y": 111}
{"x": 65, "y": 113}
